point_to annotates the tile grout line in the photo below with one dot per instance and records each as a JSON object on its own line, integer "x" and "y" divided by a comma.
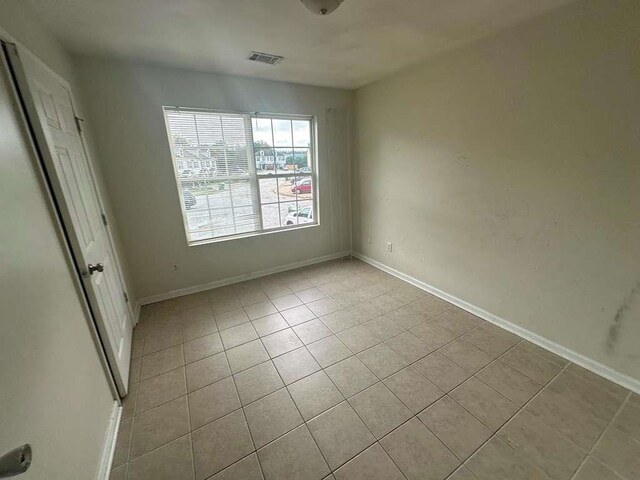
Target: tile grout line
{"x": 601, "y": 436}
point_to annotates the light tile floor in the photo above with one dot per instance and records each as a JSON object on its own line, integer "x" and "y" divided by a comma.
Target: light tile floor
{"x": 342, "y": 371}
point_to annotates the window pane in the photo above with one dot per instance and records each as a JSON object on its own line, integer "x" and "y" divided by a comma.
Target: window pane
{"x": 302, "y": 133}
{"x": 270, "y": 216}
{"x": 285, "y": 190}
{"x": 302, "y": 160}
{"x": 262, "y": 132}
{"x": 303, "y": 187}
{"x": 282, "y": 133}
{"x": 268, "y": 190}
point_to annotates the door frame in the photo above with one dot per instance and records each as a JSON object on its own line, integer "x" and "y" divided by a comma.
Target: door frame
{"x": 36, "y": 138}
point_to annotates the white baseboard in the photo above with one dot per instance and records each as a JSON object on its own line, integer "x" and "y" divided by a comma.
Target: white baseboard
{"x": 595, "y": 367}
{"x": 240, "y": 278}
{"x": 111, "y": 436}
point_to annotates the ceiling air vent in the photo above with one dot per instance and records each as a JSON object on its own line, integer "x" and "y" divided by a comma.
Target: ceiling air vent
{"x": 265, "y": 58}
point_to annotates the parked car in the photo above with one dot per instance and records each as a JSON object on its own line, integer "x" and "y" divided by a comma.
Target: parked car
{"x": 303, "y": 186}
{"x": 189, "y": 199}
{"x": 304, "y": 170}
{"x": 303, "y": 215}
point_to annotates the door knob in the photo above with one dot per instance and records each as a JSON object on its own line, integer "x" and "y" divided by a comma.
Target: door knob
{"x": 16, "y": 461}
{"x": 98, "y": 267}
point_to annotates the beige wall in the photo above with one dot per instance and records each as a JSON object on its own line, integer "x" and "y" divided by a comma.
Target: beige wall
{"x": 508, "y": 174}
{"x": 53, "y": 390}
{"x": 124, "y": 102}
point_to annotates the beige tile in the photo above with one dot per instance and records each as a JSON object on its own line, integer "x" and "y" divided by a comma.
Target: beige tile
{"x": 550, "y": 451}
{"x": 123, "y": 444}
{"x": 491, "y": 339}
{"x": 119, "y": 473}
{"x": 433, "y": 334}
{"x": 484, "y": 403}
{"x": 509, "y": 382}
{"x": 258, "y": 381}
{"x": 462, "y": 473}
{"x": 202, "y": 347}
{"x": 496, "y": 460}
{"x": 295, "y": 365}
{"x": 363, "y": 312}
{"x": 600, "y": 382}
{"x": 295, "y": 456}
{"x": 159, "y": 425}
{"x": 531, "y": 363}
{"x": 430, "y": 307}
{"x": 372, "y": 464}
{"x": 281, "y": 342}
{"x": 234, "y": 336}
{"x": 262, "y": 309}
{"x": 413, "y": 389}
{"x": 274, "y": 291}
{"x": 270, "y": 324}
{"x": 246, "y": 469}
{"x": 212, "y": 402}
{"x": 246, "y": 356}
{"x": 351, "y": 376}
{"x": 409, "y": 347}
{"x": 406, "y": 317}
{"x": 570, "y": 419}
{"x": 418, "y": 453}
{"x": 286, "y": 302}
{"x": 272, "y": 416}
{"x": 386, "y": 303}
{"x": 220, "y": 444}
{"x": 328, "y": 351}
{"x": 593, "y": 469}
{"x": 197, "y": 312}
{"x": 586, "y": 394}
{"x": 324, "y": 306}
{"x": 358, "y": 338}
{"x": 169, "y": 462}
{"x": 231, "y": 319}
{"x": 340, "y": 434}
{"x": 467, "y": 356}
{"x": 310, "y": 294}
{"x": 297, "y": 315}
{"x": 457, "y": 321}
{"x": 441, "y": 371}
{"x": 129, "y": 403}
{"x": 382, "y": 361}
{"x": 628, "y": 420}
{"x": 163, "y": 338}
{"x": 339, "y": 321}
{"x": 314, "y": 394}
{"x": 620, "y": 452}
{"x": 206, "y": 371}
{"x": 380, "y": 409}
{"x": 311, "y": 331}
{"x": 161, "y": 389}
{"x": 460, "y": 431}
{"x": 383, "y": 328}
{"x": 161, "y": 362}
{"x": 224, "y": 304}
{"x": 192, "y": 329}
{"x": 134, "y": 370}
{"x": 251, "y": 297}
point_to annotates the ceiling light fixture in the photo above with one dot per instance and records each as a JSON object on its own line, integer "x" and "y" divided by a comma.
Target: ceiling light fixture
{"x": 322, "y": 7}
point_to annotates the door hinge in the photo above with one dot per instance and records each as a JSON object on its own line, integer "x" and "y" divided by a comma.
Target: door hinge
{"x": 126, "y": 297}
{"x": 78, "y": 124}
{"x": 104, "y": 219}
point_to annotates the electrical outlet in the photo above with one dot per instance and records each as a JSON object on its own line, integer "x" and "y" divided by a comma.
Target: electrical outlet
{"x": 389, "y": 247}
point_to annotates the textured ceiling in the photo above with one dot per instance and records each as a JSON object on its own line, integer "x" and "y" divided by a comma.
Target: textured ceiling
{"x": 361, "y": 42}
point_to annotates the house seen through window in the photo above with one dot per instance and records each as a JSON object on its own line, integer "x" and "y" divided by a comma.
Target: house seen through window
{"x": 241, "y": 173}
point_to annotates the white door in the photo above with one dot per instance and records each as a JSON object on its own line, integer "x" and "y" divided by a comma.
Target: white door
{"x": 68, "y": 168}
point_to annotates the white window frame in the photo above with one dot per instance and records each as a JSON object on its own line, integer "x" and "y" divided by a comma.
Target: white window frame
{"x": 315, "y": 200}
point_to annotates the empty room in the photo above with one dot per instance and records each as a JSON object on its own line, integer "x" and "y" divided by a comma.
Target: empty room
{"x": 320, "y": 240}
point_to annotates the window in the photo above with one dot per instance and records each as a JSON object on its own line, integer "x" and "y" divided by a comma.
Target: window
{"x": 240, "y": 173}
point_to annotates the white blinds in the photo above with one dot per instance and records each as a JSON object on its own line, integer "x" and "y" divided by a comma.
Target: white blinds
{"x": 235, "y": 178}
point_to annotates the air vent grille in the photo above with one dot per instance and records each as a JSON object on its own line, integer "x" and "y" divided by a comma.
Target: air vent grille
{"x": 265, "y": 58}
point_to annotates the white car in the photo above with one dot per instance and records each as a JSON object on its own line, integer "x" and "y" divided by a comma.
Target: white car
{"x": 303, "y": 215}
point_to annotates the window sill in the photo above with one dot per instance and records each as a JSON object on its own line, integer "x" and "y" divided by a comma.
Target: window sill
{"x": 252, "y": 234}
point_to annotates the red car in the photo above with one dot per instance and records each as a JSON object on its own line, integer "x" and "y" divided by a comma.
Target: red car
{"x": 303, "y": 186}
